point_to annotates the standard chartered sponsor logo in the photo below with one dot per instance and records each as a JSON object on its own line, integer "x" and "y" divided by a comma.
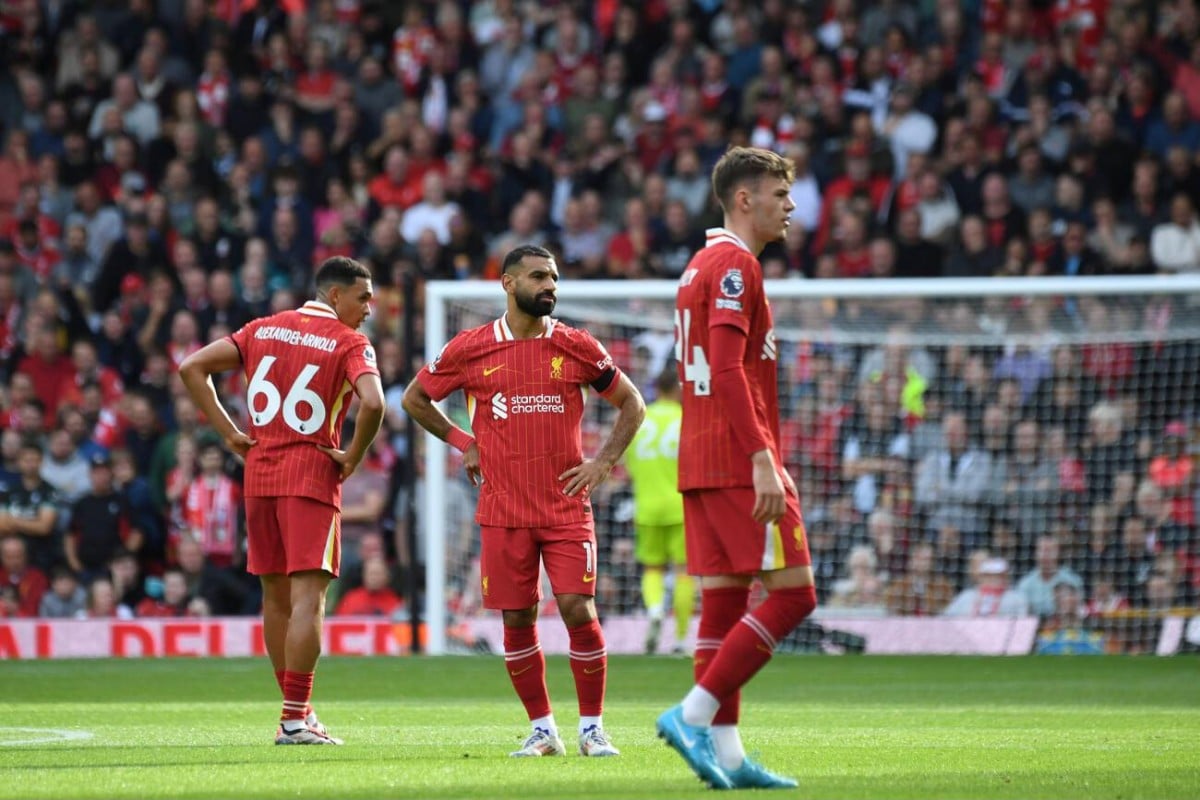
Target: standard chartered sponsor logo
{"x": 527, "y": 404}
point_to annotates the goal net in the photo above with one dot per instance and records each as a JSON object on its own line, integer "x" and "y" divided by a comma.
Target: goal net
{"x": 968, "y": 450}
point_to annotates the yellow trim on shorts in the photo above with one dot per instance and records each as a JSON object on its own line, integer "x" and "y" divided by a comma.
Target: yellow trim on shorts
{"x": 330, "y": 538}
{"x": 777, "y": 557}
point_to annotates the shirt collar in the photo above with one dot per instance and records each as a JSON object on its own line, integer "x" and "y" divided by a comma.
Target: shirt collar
{"x": 318, "y": 309}
{"x": 715, "y": 236}
{"x": 503, "y": 333}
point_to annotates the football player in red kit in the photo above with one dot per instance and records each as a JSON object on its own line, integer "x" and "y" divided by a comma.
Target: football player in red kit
{"x": 302, "y": 367}
{"x": 524, "y": 377}
{"x": 741, "y": 511}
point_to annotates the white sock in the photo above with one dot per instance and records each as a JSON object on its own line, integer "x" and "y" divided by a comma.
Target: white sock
{"x": 293, "y": 725}
{"x": 728, "y": 744}
{"x": 546, "y": 723}
{"x": 699, "y": 707}
{"x": 587, "y": 722}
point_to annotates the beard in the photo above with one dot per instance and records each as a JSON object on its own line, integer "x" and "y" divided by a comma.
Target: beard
{"x": 535, "y": 305}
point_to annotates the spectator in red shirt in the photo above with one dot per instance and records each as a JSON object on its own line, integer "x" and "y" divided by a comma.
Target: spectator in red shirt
{"x": 47, "y": 367}
{"x": 394, "y": 187}
{"x": 1173, "y": 472}
{"x": 210, "y": 506}
{"x": 316, "y": 84}
{"x": 88, "y": 369}
{"x": 375, "y": 597}
{"x": 174, "y": 601}
{"x": 214, "y": 89}
{"x": 23, "y": 584}
{"x": 857, "y": 180}
{"x": 20, "y": 392}
{"x": 653, "y": 142}
{"x": 629, "y": 251}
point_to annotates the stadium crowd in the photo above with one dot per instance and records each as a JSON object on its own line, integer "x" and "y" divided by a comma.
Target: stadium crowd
{"x": 170, "y": 170}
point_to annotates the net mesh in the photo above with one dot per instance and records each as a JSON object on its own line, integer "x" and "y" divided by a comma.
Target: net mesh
{"x": 1003, "y": 456}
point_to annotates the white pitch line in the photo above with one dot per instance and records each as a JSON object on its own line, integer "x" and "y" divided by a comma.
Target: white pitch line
{"x": 55, "y": 735}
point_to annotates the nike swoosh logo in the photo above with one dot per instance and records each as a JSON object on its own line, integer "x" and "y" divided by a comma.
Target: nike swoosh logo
{"x": 521, "y": 671}
{"x": 489, "y": 370}
{"x": 587, "y": 671}
{"x": 683, "y": 738}
{"x": 589, "y": 578}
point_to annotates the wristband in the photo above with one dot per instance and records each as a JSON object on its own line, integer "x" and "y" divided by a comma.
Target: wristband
{"x": 459, "y": 439}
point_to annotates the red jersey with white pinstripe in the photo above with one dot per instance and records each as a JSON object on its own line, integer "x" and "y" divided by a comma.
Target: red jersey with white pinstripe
{"x": 723, "y": 285}
{"x": 300, "y": 368}
{"x": 525, "y": 398}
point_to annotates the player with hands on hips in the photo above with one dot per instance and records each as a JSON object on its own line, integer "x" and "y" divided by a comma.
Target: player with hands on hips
{"x": 524, "y": 376}
{"x": 302, "y": 366}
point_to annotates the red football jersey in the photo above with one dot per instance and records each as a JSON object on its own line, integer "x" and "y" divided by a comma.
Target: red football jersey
{"x": 525, "y": 398}
{"x": 722, "y": 285}
{"x": 300, "y": 369}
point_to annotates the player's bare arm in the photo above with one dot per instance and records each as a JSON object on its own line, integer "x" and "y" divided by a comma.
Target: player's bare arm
{"x": 196, "y": 371}
{"x": 420, "y": 406}
{"x": 593, "y": 471}
{"x": 371, "y": 408}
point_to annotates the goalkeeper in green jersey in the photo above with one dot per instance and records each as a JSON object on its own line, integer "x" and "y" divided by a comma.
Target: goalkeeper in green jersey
{"x": 653, "y": 464}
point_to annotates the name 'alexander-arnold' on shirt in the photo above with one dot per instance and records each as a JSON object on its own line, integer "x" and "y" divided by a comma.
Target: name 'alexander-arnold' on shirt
{"x": 289, "y": 336}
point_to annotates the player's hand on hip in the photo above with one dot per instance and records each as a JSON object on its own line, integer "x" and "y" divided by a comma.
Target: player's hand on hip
{"x": 586, "y": 476}
{"x": 471, "y": 464}
{"x": 239, "y": 443}
{"x": 343, "y": 459}
{"x": 769, "y": 500}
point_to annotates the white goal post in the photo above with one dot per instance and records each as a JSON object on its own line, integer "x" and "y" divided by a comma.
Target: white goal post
{"x": 584, "y": 302}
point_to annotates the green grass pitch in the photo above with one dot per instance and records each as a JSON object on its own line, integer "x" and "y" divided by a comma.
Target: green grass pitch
{"x": 871, "y": 727}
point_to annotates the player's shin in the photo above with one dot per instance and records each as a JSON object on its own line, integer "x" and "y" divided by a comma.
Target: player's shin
{"x": 720, "y": 609}
{"x": 752, "y": 641}
{"x": 526, "y": 665}
{"x": 589, "y": 664}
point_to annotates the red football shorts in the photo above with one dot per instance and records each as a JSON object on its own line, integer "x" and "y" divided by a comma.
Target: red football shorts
{"x": 510, "y": 575}
{"x": 292, "y": 534}
{"x": 723, "y": 538}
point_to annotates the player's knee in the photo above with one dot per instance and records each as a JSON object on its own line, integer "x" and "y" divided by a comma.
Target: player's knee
{"x": 520, "y": 617}
{"x": 307, "y": 607}
{"x": 576, "y": 609}
{"x": 792, "y": 605}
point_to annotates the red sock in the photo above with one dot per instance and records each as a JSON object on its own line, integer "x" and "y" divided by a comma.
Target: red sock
{"x": 279, "y": 673}
{"x": 297, "y": 691}
{"x": 589, "y": 663}
{"x": 526, "y": 664}
{"x": 752, "y": 641}
{"x": 720, "y": 610}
